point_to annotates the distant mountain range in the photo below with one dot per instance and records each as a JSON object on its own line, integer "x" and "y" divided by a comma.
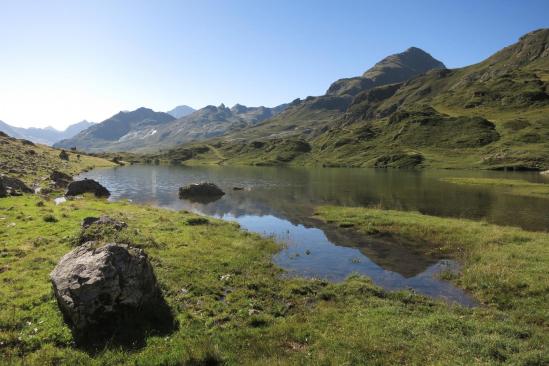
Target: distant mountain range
{"x": 50, "y": 135}
{"x": 47, "y": 136}
{"x": 147, "y": 130}
{"x": 409, "y": 111}
{"x": 119, "y": 130}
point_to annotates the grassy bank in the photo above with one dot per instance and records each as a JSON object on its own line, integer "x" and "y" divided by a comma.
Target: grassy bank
{"x": 233, "y": 306}
{"x": 505, "y": 268}
{"x": 510, "y": 186}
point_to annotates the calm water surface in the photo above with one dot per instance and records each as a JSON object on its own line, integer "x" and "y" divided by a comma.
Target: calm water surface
{"x": 279, "y": 202}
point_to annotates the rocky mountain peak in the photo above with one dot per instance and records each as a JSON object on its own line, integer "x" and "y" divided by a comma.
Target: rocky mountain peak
{"x": 395, "y": 68}
{"x": 181, "y": 111}
{"x": 239, "y": 108}
{"x": 401, "y": 66}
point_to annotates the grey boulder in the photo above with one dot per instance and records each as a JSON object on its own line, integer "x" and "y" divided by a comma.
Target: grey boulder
{"x": 95, "y": 287}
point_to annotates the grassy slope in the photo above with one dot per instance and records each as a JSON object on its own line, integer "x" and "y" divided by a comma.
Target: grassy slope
{"x": 31, "y": 163}
{"x": 510, "y": 186}
{"x": 256, "y": 317}
{"x": 351, "y": 145}
{"x": 506, "y": 89}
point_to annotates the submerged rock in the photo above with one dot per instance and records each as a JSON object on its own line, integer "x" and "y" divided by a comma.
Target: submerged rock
{"x": 95, "y": 287}
{"x": 545, "y": 172}
{"x": 201, "y": 192}
{"x": 10, "y": 186}
{"x": 87, "y": 186}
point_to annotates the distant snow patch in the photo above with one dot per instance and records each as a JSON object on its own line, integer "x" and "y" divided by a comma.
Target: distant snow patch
{"x": 138, "y": 135}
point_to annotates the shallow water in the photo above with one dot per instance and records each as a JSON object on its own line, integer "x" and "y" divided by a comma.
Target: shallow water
{"x": 279, "y": 202}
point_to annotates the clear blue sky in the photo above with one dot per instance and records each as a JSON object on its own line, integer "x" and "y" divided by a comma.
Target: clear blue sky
{"x": 64, "y": 61}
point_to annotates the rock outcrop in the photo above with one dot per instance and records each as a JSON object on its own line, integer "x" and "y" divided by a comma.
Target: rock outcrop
{"x": 10, "y": 186}
{"x": 96, "y": 287}
{"x": 63, "y": 155}
{"x": 60, "y": 179}
{"x": 87, "y": 186}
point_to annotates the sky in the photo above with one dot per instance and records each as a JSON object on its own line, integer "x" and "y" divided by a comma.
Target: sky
{"x": 65, "y": 61}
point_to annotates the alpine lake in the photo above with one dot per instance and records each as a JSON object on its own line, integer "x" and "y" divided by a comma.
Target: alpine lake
{"x": 279, "y": 202}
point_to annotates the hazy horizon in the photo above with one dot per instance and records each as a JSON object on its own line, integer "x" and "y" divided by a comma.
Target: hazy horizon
{"x": 65, "y": 62}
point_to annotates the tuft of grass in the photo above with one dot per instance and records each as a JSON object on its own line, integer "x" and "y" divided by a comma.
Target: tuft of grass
{"x": 198, "y": 221}
{"x": 49, "y": 218}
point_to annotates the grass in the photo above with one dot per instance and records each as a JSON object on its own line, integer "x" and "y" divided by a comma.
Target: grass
{"x": 511, "y": 186}
{"x": 233, "y": 306}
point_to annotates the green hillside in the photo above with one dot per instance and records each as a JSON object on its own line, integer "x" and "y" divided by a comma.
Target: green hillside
{"x": 491, "y": 115}
{"x": 33, "y": 163}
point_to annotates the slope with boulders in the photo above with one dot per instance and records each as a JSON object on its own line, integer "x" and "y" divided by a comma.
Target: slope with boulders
{"x": 42, "y": 167}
